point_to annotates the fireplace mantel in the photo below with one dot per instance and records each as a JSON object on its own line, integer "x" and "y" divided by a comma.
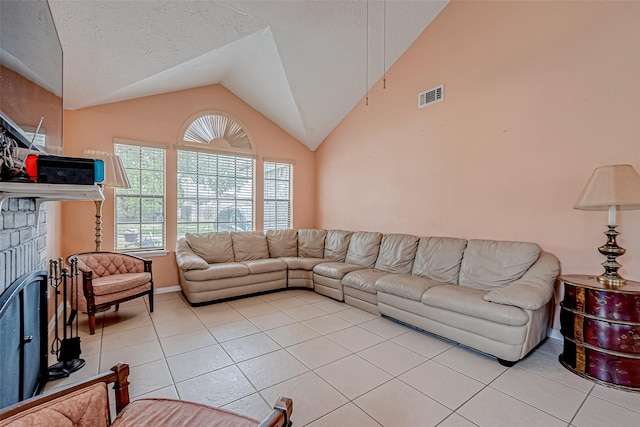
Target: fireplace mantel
{"x": 48, "y": 192}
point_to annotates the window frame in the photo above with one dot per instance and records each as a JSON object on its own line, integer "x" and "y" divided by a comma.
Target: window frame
{"x": 289, "y": 200}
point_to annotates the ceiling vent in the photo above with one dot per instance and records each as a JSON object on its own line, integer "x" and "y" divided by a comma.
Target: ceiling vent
{"x": 431, "y": 96}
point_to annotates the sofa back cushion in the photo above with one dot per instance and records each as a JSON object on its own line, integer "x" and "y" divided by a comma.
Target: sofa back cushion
{"x": 249, "y": 245}
{"x": 282, "y": 243}
{"x": 311, "y": 243}
{"x": 211, "y": 247}
{"x": 489, "y": 264}
{"x": 397, "y": 252}
{"x": 336, "y": 245}
{"x": 439, "y": 258}
{"x": 363, "y": 248}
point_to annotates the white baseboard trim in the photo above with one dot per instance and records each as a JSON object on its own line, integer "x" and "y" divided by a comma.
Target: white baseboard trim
{"x": 168, "y": 289}
{"x": 554, "y": 334}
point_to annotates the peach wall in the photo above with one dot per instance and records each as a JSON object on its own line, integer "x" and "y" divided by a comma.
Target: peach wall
{"x": 537, "y": 95}
{"x": 158, "y": 119}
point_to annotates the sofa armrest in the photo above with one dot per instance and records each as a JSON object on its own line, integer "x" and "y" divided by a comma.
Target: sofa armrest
{"x": 533, "y": 290}
{"x": 187, "y": 259}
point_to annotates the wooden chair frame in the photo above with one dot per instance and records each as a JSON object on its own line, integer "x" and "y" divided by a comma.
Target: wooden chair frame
{"x": 87, "y": 287}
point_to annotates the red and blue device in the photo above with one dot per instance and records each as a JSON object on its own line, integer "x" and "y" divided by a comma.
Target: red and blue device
{"x": 64, "y": 170}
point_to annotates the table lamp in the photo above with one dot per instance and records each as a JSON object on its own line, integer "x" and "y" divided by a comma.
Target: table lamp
{"x": 611, "y": 188}
{"x": 114, "y": 177}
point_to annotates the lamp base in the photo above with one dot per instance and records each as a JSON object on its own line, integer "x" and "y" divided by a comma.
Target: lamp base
{"x": 611, "y": 250}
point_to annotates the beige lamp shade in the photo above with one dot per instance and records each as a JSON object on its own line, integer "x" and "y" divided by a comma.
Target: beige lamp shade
{"x": 614, "y": 185}
{"x": 114, "y": 173}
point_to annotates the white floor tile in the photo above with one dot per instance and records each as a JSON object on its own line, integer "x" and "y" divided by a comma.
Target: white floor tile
{"x": 128, "y": 337}
{"x": 272, "y": 320}
{"x": 442, "y": 384}
{"x": 187, "y": 341}
{"x": 305, "y": 312}
{"x": 168, "y": 329}
{"x": 626, "y": 399}
{"x": 285, "y": 303}
{"x": 327, "y": 324}
{"x": 245, "y": 348}
{"x": 216, "y": 388}
{"x": 292, "y": 334}
{"x": 422, "y": 343}
{"x": 556, "y": 399}
{"x": 455, "y": 420}
{"x": 331, "y": 306}
{"x": 385, "y": 328}
{"x": 233, "y": 330}
{"x": 548, "y": 366}
{"x": 596, "y": 412}
{"x": 355, "y": 338}
{"x": 133, "y": 355}
{"x": 356, "y": 316}
{"x": 197, "y": 362}
{"x": 312, "y": 397}
{"x": 397, "y": 404}
{"x": 353, "y": 376}
{"x": 348, "y": 415}
{"x": 491, "y": 408}
{"x": 392, "y": 357}
{"x": 272, "y": 368}
{"x": 318, "y": 352}
{"x": 256, "y": 309}
{"x": 478, "y": 366}
{"x": 252, "y": 406}
{"x": 149, "y": 377}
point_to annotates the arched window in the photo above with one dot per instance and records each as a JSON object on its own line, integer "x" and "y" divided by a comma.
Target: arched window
{"x": 216, "y": 175}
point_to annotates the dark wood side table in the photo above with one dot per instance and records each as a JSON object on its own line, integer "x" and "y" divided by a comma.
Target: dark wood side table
{"x": 601, "y": 330}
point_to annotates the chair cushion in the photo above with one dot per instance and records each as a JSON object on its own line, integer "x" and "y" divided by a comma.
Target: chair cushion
{"x": 311, "y": 243}
{"x": 87, "y": 407}
{"x": 439, "y": 258}
{"x": 363, "y": 248}
{"x": 282, "y": 243}
{"x": 212, "y": 247}
{"x": 335, "y": 270}
{"x": 257, "y": 266}
{"x": 116, "y": 283}
{"x": 363, "y": 280}
{"x": 405, "y": 285}
{"x": 397, "y": 253}
{"x": 168, "y": 412}
{"x": 470, "y": 301}
{"x": 298, "y": 263}
{"x": 249, "y": 245}
{"x": 336, "y": 245}
{"x": 490, "y": 264}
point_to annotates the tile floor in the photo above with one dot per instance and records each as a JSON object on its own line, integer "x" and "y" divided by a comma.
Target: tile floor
{"x": 342, "y": 367}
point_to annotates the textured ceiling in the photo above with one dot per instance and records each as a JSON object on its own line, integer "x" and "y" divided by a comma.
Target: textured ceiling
{"x": 303, "y": 64}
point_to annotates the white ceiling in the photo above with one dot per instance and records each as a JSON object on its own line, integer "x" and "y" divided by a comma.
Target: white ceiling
{"x": 302, "y": 64}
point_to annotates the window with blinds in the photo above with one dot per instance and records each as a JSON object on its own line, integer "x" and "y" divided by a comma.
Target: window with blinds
{"x": 215, "y": 192}
{"x": 278, "y": 195}
{"x": 140, "y": 209}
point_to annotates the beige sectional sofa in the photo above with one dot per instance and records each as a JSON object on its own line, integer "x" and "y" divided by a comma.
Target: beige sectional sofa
{"x": 494, "y": 296}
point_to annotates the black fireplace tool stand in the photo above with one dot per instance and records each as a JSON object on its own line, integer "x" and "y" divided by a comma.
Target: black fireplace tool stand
{"x": 66, "y": 349}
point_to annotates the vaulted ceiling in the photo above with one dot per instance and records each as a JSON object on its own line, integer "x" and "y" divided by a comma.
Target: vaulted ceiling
{"x": 302, "y": 64}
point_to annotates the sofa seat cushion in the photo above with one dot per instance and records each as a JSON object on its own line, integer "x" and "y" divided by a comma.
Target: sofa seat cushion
{"x": 119, "y": 282}
{"x": 265, "y": 265}
{"x": 405, "y": 285}
{"x": 335, "y": 270}
{"x": 470, "y": 302}
{"x": 363, "y": 279}
{"x": 218, "y": 271}
{"x": 168, "y": 412}
{"x": 298, "y": 263}
{"x": 489, "y": 264}
{"x": 211, "y": 247}
{"x": 249, "y": 245}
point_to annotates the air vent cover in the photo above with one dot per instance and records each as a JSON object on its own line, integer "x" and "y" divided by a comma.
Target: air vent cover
{"x": 431, "y": 96}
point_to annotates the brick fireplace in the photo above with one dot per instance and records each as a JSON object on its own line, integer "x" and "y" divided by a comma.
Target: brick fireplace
{"x": 23, "y": 246}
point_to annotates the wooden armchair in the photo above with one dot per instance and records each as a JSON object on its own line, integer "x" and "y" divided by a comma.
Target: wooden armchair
{"x": 87, "y": 405}
{"x": 109, "y": 278}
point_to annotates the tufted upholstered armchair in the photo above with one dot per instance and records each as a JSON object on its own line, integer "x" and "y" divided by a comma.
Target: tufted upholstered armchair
{"x": 109, "y": 278}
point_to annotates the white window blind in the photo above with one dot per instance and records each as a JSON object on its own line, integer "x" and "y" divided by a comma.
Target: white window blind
{"x": 140, "y": 209}
{"x": 215, "y": 192}
{"x": 278, "y": 195}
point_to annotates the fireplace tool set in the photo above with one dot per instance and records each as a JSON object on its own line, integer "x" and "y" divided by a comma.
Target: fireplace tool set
{"x": 66, "y": 349}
